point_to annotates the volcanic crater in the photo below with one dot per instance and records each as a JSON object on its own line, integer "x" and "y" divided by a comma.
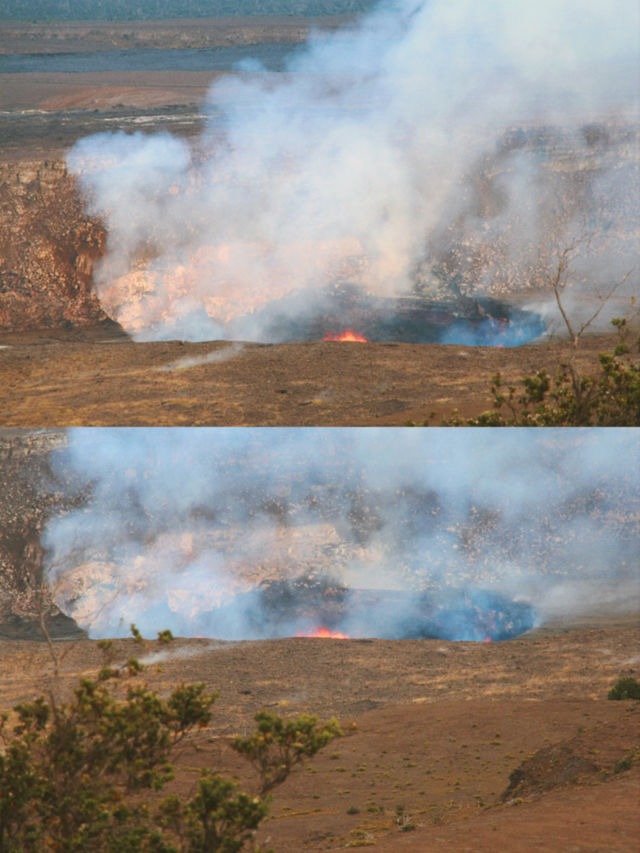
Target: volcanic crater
{"x": 65, "y": 362}
{"x": 316, "y": 605}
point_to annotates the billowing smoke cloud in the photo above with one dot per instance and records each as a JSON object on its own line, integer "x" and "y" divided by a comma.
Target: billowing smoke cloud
{"x": 267, "y": 532}
{"x": 438, "y": 147}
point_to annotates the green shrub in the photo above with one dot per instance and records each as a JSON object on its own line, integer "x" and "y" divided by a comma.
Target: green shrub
{"x": 625, "y": 688}
{"x": 279, "y": 745}
{"x": 627, "y": 762}
{"x": 609, "y": 398}
{"x": 73, "y": 775}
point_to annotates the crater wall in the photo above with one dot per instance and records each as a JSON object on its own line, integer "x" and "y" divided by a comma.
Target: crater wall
{"x": 48, "y": 248}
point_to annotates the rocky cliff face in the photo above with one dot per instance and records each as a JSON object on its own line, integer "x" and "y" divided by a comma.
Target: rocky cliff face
{"x": 48, "y": 247}
{"x": 29, "y": 493}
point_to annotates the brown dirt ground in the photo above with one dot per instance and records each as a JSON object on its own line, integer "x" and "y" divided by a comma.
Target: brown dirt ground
{"x": 93, "y": 93}
{"x": 98, "y": 377}
{"x": 100, "y": 90}
{"x": 432, "y": 726}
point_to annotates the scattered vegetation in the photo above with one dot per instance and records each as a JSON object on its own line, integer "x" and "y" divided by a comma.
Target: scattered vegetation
{"x": 625, "y": 688}
{"x": 73, "y": 775}
{"x": 165, "y": 636}
{"x": 627, "y": 762}
{"x": 403, "y": 820}
{"x": 609, "y": 398}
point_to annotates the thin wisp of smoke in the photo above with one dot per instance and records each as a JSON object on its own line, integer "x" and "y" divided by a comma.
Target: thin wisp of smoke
{"x": 437, "y": 148}
{"x": 240, "y": 534}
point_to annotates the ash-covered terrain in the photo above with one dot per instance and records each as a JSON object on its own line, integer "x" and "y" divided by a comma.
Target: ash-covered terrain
{"x": 511, "y": 744}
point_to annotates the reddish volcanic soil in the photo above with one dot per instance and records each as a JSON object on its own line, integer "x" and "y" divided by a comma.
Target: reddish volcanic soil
{"x": 434, "y": 727}
{"x": 97, "y": 377}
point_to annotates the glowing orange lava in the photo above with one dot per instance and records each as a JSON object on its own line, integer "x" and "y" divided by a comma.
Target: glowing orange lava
{"x": 325, "y": 633}
{"x": 347, "y": 335}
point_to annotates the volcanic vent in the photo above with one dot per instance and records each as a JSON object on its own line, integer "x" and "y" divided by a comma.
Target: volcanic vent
{"x": 319, "y": 606}
{"x": 348, "y": 313}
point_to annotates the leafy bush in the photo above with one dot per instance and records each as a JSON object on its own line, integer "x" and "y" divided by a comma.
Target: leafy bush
{"x": 625, "y": 688}
{"x": 279, "y": 745}
{"x": 610, "y": 398}
{"x": 73, "y": 774}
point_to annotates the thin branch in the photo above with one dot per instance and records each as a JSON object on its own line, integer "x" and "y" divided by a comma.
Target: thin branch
{"x": 603, "y": 302}
{"x": 559, "y": 283}
{"x": 52, "y": 652}
{"x": 45, "y": 631}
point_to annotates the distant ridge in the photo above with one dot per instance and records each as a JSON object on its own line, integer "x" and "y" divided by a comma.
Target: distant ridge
{"x": 141, "y": 10}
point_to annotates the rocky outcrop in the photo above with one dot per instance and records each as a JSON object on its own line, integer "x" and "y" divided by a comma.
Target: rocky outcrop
{"x": 29, "y": 494}
{"x": 48, "y": 248}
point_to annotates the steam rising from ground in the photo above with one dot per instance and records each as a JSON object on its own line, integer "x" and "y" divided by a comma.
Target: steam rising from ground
{"x": 439, "y": 146}
{"x": 184, "y": 525}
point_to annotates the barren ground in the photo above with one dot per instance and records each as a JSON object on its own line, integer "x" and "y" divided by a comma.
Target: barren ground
{"x": 73, "y": 36}
{"x": 433, "y": 726}
{"x": 99, "y": 377}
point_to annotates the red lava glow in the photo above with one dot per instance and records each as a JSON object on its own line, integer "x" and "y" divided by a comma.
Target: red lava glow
{"x": 325, "y": 633}
{"x": 347, "y": 335}
{"x": 487, "y": 640}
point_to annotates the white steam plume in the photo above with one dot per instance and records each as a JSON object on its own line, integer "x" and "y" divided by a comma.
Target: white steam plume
{"x": 380, "y": 158}
{"x": 184, "y": 525}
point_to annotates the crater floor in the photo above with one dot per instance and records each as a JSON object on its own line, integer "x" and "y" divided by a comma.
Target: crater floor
{"x": 98, "y": 377}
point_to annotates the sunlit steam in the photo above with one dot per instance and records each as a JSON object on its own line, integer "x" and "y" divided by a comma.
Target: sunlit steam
{"x": 444, "y": 149}
{"x": 257, "y": 533}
